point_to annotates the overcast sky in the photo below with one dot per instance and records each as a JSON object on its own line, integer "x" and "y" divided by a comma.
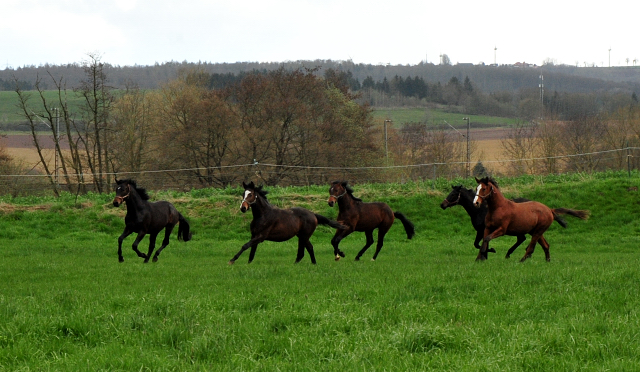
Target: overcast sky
{"x": 143, "y": 32}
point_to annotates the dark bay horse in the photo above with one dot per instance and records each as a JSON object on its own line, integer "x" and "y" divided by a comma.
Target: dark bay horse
{"x": 144, "y": 218}
{"x": 359, "y": 216}
{"x": 505, "y": 217}
{"x": 278, "y": 225}
{"x": 464, "y": 197}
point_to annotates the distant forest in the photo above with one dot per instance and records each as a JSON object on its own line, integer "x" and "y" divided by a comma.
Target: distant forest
{"x": 489, "y": 79}
{"x": 508, "y": 91}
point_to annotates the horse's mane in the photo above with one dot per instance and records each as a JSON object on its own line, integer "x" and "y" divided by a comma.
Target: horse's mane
{"x": 488, "y": 179}
{"x": 258, "y": 189}
{"x": 346, "y": 186}
{"x": 141, "y": 191}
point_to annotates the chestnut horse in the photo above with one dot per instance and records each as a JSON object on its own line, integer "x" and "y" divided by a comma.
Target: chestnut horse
{"x": 278, "y": 225}
{"x": 505, "y": 217}
{"x": 144, "y": 218}
{"x": 462, "y": 196}
{"x": 359, "y": 216}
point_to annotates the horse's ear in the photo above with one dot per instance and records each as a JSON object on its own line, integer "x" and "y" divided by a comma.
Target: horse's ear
{"x": 244, "y": 185}
{"x": 344, "y": 183}
{"x": 477, "y": 180}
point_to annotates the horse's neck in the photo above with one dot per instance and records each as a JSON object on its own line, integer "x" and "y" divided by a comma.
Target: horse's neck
{"x": 260, "y": 207}
{"x": 497, "y": 199}
{"x": 346, "y": 202}
{"x": 466, "y": 201}
{"x": 135, "y": 203}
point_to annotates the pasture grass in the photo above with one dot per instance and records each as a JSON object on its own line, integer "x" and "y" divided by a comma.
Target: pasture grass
{"x": 401, "y": 115}
{"x": 425, "y": 304}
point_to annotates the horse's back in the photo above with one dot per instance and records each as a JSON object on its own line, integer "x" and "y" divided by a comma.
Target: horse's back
{"x": 373, "y": 215}
{"x": 530, "y": 217}
{"x": 288, "y": 223}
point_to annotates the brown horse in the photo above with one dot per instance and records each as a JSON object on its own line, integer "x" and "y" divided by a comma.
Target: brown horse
{"x": 278, "y": 225}
{"x": 359, "y": 216}
{"x": 506, "y": 217}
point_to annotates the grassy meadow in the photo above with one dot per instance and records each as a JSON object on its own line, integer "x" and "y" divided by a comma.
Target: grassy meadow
{"x": 425, "y": 304}
{"x": 400, "y": 115}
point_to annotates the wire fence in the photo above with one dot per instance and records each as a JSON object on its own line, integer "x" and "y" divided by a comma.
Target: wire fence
{"x": 185, "y": 179}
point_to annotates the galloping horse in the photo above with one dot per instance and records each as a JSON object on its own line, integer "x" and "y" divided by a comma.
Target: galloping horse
{"x": 505, "y": 217}
{"x": 359, "y": 216}
{"x": 144, "y": 218}
{"x": 464, "y": 197}
{"x": 278, "y": 225}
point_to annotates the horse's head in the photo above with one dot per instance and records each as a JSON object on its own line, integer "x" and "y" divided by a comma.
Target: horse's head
{"x": 251, "y": 194}
{"x": 123, "y": 191}
{"x": 337, "y": 190}
{"x": 453, "y": 198}
{"x": 484, "y": 190}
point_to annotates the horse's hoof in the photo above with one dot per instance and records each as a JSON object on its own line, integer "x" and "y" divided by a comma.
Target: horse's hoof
{"x": 121, "y": 259}
{"x": 507, "y": 256}
{"x": 231, "y": 262}
{"x": 373, "y": 260}
{"x": 341, "y": 254}
{"x": 357, "y": 259}
{"x": 337, "y": 258}
{"x": 155, "y": 259}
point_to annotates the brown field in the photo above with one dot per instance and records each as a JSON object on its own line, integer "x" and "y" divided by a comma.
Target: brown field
{"x": 20, "y": 147}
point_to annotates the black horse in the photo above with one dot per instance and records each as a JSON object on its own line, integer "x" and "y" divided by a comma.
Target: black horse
{"x": 464, "y": 197}
{"x": 144, "y": 218}
{"x": 278, "y": 225}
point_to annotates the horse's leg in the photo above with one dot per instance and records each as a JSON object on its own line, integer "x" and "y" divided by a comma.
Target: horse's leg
{"x": 165, "y": 241}
{"x": 152, "y": 246}
{"x": 335, "y": 241}
{"x": 301, "y": 245}
{"x": 545, "y": 246}
{"x": 252, "y": 252}
{"x": 125, "y": 233}
{"x": 369, "y": 236}
{"x": 521, "y": 239}
{"x": 530, "y": 248}
{"x": 482, "y": 255}
{"x": 381, "y": 233}
{"x": 136, "y": 242}
{"x": 310, "y": 250}
{"x": 476, "y": 243}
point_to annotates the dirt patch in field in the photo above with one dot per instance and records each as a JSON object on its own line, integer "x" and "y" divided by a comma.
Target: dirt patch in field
{"x": 10, "y": 208}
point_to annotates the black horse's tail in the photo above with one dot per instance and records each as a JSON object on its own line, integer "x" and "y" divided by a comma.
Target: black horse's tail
{"x": 322, "y": 220}
{"x": 583, "y": 215}
{"x": 408, "y": 225}
{"x": 184, "y": 232}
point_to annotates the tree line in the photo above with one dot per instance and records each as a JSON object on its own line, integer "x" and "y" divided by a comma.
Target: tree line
{"x": 282, "y": 118}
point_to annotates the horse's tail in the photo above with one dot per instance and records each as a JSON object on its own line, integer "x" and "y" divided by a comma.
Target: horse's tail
{"x": 583, "y": 215}
{"x": 408, "y": 225}
{"x": 184, "y": 233}
{"x": 322, "y": 220}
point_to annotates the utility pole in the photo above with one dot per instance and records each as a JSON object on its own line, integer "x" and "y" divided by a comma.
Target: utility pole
{"x": 609, "y": 56}
{"x": 541, "y": 85}
{"x": 386, "y": 149}
{"x": 468, "y": 155}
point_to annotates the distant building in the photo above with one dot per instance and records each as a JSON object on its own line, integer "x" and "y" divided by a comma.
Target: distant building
{"x": 524, "y": 64}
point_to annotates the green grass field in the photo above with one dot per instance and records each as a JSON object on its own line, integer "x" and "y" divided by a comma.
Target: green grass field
{"x": 10, "y": 114}
{"x": 425, "y": 304}
{"x": 399, "y": 116}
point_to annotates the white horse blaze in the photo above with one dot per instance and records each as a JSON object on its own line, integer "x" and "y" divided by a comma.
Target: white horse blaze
{"x": 475, "y": 199}
{"x": 246, "y": 193}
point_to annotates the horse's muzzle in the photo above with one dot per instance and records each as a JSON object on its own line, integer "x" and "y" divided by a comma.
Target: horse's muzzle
{"x": 444, "y": 204}
{"x": 244, "y": 207}
{"x": 117, "y": 201}
{"x": 331, "y": 201}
